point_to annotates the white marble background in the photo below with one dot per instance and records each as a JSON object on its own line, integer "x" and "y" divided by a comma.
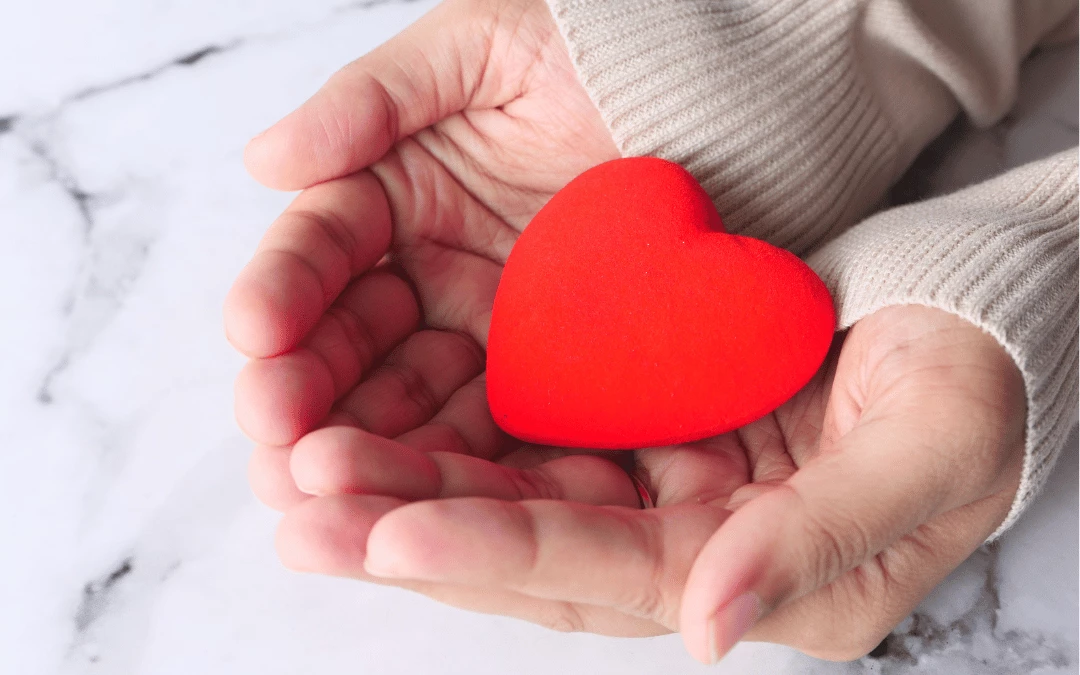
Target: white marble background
{"x": 129, "y": 542}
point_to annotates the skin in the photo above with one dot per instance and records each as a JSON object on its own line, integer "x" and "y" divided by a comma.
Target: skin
{"x": 364, "y": 313}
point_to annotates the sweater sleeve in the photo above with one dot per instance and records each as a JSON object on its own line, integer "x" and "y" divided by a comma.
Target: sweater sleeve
{"x": 798, "y": 115}
{"x": 1003, "y": 255}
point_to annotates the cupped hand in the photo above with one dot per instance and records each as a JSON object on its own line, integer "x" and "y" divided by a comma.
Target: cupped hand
{"x": 820, "y": 526}
{"x": 419, "y": 163}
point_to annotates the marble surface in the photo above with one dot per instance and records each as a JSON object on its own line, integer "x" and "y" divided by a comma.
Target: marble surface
{"x": 131, "y": 543}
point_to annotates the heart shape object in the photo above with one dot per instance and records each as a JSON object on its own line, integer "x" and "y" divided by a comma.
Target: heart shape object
{"x": 626, "y": 317}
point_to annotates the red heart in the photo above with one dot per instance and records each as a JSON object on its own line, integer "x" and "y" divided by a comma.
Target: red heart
{"x": 626, "y": 317}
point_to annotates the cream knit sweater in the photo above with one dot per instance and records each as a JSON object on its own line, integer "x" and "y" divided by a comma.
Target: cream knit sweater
{"x": 798, "y": 115}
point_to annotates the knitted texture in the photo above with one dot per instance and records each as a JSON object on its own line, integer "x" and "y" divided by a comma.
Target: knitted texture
{"x": 797, "y": 115}
{"x": 716, "y": 87}
{"x": 1003, "y": 255}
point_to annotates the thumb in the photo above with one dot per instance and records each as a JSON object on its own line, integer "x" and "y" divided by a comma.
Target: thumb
{"x": 876, "y": 484}
{"x": 425, "y": 73}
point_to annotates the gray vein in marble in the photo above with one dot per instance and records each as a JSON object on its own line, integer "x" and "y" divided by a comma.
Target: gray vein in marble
{"x": 185, "y": 61}
{"x": 95, "y": 597}
{"x": 66, "y": 180}
{"x": 191, "y": 59}
{"x": 44, "y": 393}
{"x": 112, "y": 259}
{"x": 84, "y": 202}
{"x": 368, "y": 4}
{"x": 1010, "y": 652}
{"x": 112, "y": 613}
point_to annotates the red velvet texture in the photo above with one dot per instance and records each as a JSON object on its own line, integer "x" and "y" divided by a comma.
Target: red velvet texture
{"x": 627, "y": 318}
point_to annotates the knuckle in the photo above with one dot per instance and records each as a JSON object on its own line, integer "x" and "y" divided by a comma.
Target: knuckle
{"x": 649, "y": 600}
{"x": 330, "y": 226}
{"x": 334, "y": 128}
{"x": 416, "y": 388}
{"x": 840, "y": 544}
{"x": 533, "y": 484}
{"x": 356, "y": 333}
{"x": 530, "y": 553}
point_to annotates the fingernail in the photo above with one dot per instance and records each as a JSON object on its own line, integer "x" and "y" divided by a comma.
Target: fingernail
{"x": 730, "y": 624}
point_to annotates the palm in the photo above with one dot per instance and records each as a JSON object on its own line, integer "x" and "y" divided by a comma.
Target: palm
{"x": 527, "y": 129}
{"x": 448, "y": 187}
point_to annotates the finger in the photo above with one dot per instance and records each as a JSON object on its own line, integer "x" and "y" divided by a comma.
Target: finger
{"x": 566, "y": 617}
{"x": 834, "y": 514}
{"x": 348, "y": 460}
{"x": 271, "y": 480}
{"x": 280, "y": 398}
{"x": 427, "y": 72}
{"x": 456, "y": 288}
{"x": 631, "y": 560}
{"x": 327, "y": 535}
{"x": 768, "y": 454}
{"x": 413, "y": 383}
{"x": 705, "y": 472}
{"x": 339, "y": 460}
{"x": 329, "y": 234}
{"x": 373, "y": 314}
{"x": 464, "y": 425}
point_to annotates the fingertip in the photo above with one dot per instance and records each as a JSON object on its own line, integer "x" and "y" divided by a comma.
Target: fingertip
{"x": 342, "y": 459}
{"x": 341, "y": 129}
{"x": 316, "y": 464}
{"x": 728, "y": 626}
{"x": 432, "y": 539}
{"x": 277, "y": 157}
{"x": 280, "y": 399}
{"x": 260, "y": 159}
{"x": 394, "y": 550}
{"x": 328, "y": 535}
{"x": 273, "y": 304}
{"x": 591, "y": 480}
{"x": 730, "y": 571}
{"x": 270, "y": 478}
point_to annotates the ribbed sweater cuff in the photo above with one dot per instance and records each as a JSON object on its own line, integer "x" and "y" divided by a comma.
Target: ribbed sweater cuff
{"x": 1003, "y": 255}
{"x": 763, "y": 102}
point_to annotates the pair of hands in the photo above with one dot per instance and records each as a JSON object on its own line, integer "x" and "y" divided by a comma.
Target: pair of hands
{"x": 365, "y": 313}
